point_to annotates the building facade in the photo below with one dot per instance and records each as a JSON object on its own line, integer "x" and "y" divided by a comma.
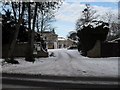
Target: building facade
{"x": 51, "y": 39}
{"x": 54, "y": 42}
{"x": 64, "y": 43}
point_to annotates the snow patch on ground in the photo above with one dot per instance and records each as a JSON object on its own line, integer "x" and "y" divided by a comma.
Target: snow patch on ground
{"x": 1, "y": 60}
{"x": 68, "y": 63}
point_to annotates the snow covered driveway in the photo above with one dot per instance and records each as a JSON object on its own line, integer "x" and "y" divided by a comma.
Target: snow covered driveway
{"x": 67, "y": 63}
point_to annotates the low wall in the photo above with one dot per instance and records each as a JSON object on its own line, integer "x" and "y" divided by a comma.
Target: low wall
{"x": 104, "y": 50}
{"x": 20, "y": 51}
{"x": 110, "y": 49}
{"x": 95, "y": 51}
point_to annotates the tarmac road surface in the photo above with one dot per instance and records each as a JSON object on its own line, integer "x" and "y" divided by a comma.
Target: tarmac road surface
{"x": 53, "y": 82}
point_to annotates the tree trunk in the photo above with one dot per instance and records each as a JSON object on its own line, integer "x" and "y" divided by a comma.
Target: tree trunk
{"x": 33, "y": 29}
{"x": 37, "y": 24}
{"x": 35, "y": 14}
{"x": 13, "y": 43}
{"x": 42, "y": 22}
{"x": 30, "y": 49}
{"x": 14, "y": 11}
{"x": 29, "y": 55}
{"x": 19, "y": 9}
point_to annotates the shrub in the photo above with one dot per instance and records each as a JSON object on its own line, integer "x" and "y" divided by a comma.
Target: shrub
{"x": 90, "y": 33}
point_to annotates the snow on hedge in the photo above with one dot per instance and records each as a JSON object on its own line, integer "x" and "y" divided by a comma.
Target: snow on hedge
{"x": 94, "y": 24}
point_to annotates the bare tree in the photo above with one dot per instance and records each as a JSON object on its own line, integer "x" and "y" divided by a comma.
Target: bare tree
{"x": 10, "y": 57}
{"x": 88, "y": 15}
{"x": 112, "y": 20}
{"x": 29, "y": 52}
{"x": 42, "y": 11}
{"x": 46, "y": 14}
{"x": 19, "y": 10}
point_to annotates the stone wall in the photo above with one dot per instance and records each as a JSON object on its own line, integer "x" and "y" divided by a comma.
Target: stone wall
{"x": 20, "y": 51}
{"x": 95, "y": 51}
{"x": 104, "y": 49}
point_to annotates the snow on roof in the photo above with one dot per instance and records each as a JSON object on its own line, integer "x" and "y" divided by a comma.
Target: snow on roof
{"x": 61, "y": 38}
{"x": 73, "y": 40}
{"x": 49, "y": 32}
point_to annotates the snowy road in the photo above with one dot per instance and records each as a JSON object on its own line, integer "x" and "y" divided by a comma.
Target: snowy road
{"x": 67, "y": 63}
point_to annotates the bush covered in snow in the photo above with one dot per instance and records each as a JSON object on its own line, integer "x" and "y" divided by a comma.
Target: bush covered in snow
{"x": 89, "y": 33}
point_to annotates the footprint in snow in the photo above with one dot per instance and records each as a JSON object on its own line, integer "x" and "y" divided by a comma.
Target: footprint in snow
{"x": 84, "y": 71}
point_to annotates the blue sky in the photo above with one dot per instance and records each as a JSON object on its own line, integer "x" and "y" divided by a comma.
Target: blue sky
{"x": 70, "y": 11}
{"x": 113, "y": 5}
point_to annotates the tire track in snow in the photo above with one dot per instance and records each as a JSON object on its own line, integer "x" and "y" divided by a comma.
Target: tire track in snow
{"x": 65, "y": 62}
{"x": 73, "y": 58}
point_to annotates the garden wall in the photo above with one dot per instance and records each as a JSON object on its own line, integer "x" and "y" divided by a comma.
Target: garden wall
{"x": 20, "y": 51}
{"x": 95, "y": 51}
{"x": 110, "y": 49}
{"x": 105, "y": 49}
